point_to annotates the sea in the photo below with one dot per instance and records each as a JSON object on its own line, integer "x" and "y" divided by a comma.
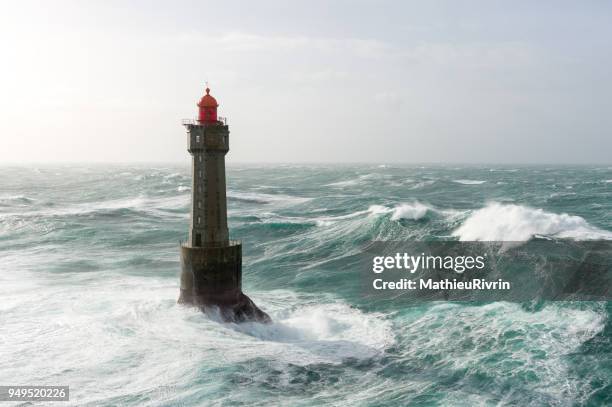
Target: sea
{"x": 89, "y": 281}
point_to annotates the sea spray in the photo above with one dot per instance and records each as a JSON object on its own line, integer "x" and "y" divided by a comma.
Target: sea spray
{"x": 499, "y": 222}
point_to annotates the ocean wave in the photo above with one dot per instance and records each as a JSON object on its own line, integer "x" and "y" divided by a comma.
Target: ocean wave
{"x": 472, "y": 339}
{"x": 410, "y": 211}
{"x": 336, "y": 236}
{"x": 158, "y": 206}
{"x": 378, "y": 209}
{"x": 561, "y": 194}
{"x": 258, "y": 197}
{"x": 503, "y": 170}
{"x": 360, "y": 180}
{"x": 139, "y": 204}
{"x": 15, "y": 199}
{"x": 414, "y": 211}
{"x": 468, "y": 181}
{"x": 126, "y": 320}
{"x": 275, "y": 218}
{"x": 423, "y": 184}
{"x": 346, "y": 183}
{"x": 509, "y": 222}
{"x": 328, "y": 332}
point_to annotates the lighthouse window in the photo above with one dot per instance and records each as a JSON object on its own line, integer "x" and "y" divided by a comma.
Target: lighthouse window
{"x": 199, "y": 204}
{"x": 199, "y": 220}
{"x": 197, "y": 139}
{"x": 200, "y": 158}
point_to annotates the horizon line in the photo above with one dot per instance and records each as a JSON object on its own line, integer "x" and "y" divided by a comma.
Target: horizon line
{"x": 314, "y": 163}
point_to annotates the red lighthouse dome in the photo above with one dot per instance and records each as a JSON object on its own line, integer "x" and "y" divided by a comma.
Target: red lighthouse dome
{"x": 208, "y": 109}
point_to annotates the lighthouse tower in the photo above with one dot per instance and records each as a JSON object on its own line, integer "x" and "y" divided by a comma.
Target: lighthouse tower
{"x": 211, "y": 263}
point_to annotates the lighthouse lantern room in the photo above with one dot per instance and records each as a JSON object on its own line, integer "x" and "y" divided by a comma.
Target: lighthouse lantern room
{"x": 208, "y": 109}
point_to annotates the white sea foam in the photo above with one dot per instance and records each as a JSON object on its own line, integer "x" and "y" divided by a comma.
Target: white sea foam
{"x": 120, "y": 323}
{"x": 257, "y": 197}
{"x": 508, "y": 222}
{"x": 16, "y": 199}
{"x": 422, "y": 184}
{"x": 460, "y": 338}
{"x": 561, "y": 194}
{"x": 328, "y": 332}
{"x": 503, "y": 170}
{"x": 360, "y": 180}
{"x": 346, "y": 183}
{"x": 152, "y": 205}
{"x": 468, "y": 181}
{"x": 414, "y": 211}
{"x": 379, "y": 209}
{"x": 272, "y": 217}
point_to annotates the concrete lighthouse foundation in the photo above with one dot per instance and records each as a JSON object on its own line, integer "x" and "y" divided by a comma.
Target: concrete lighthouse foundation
{"x": 211, "y": 263}
{"x": 211, "y": 278}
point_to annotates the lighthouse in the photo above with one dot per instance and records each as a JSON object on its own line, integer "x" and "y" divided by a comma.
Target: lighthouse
{"x": 211, "y": 263}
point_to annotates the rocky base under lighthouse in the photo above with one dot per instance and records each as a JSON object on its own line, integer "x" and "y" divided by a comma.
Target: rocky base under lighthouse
{"x": 211, "y": 279}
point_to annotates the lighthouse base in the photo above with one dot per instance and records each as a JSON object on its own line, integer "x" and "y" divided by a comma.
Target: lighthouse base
{"x": 211, "y": 279}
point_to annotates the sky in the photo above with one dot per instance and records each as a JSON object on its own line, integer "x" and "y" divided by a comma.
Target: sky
{"x": 523, "y": 82}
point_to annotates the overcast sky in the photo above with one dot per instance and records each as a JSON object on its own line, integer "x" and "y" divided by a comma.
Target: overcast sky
{"x": 309, "y": 81}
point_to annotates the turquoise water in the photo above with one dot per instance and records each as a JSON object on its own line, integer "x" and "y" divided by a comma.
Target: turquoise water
{"x": 89, "y": 281}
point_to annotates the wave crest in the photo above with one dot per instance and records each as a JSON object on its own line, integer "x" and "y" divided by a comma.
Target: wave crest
{"x": 468, "y": 181}
{"x": 414, "y": 211}
{"x": 498, "y": 222}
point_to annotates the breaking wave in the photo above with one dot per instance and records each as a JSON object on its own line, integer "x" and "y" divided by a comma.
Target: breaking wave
{"x": 255, "y": 197}
{"x": 360, "y": 180}
{"x": 499, "y": 222}
{"x": 15, "y": 200}
{"x": 346, "y": 183}
{"x": 412, "y": 211}
{"x": 146, "y": 205}
{"x": 329, "y": 332}
{"x": 468, "y": 181}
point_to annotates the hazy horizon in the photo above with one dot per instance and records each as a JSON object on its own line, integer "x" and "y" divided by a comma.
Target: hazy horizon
{"x": 230, "y": 163}
{"x": 355, "y": 82}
